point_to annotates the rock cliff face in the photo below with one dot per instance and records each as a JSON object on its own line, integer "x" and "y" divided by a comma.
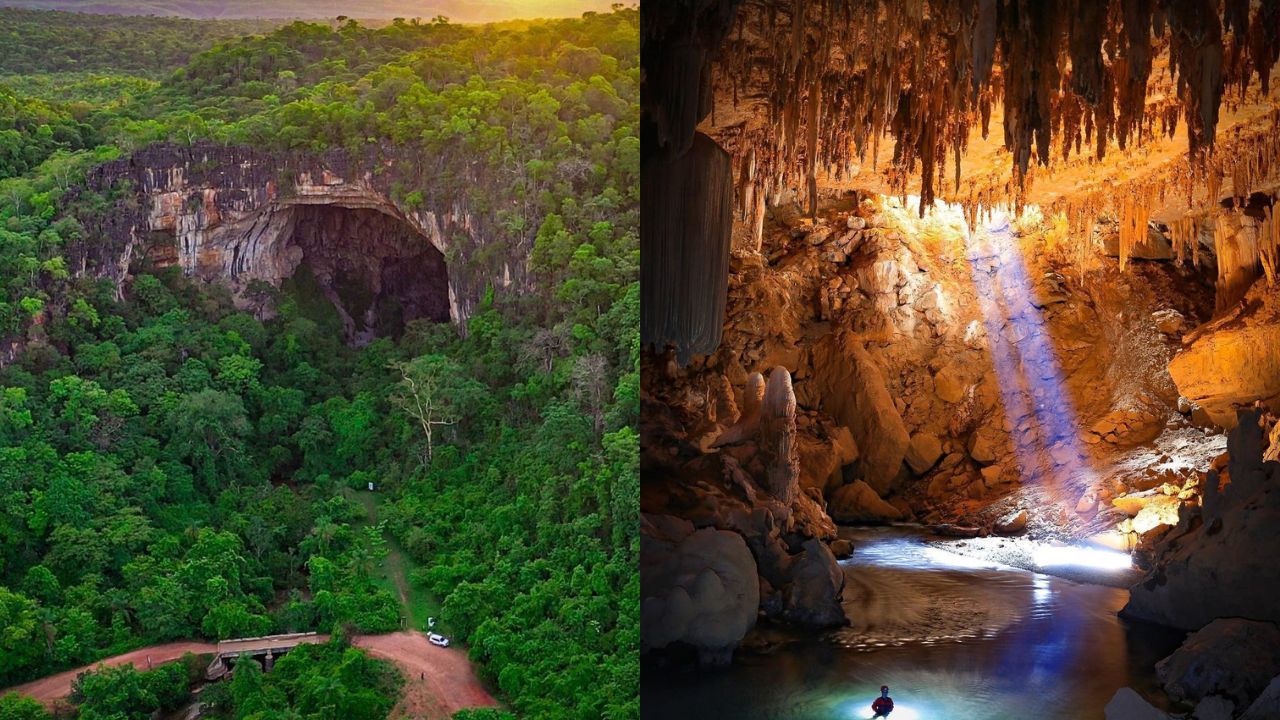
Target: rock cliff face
{"x": 237, "y": 214}
{"x": 1219, "y": 561}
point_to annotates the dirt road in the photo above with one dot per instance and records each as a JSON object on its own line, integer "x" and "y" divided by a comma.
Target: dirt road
{"x": 438, "y": 681}
{"x": 55, "y": 687}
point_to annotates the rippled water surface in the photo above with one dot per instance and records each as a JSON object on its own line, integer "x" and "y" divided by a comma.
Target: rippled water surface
{"x": 952, "y": 637}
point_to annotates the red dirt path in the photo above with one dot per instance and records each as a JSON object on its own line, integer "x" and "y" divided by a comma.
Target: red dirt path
{"x": 438, "y": 681}
{"x": 56, "y": 687}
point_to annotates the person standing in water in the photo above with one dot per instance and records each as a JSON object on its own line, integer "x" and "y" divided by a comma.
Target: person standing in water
{"x": 883, "y": 704}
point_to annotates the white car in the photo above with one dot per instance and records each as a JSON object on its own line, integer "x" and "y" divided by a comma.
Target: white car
{"x": 440, "y": 640}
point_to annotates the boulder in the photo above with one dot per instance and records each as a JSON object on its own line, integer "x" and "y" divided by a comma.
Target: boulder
{"x": 1013, "y": 523}
{"x": 1223, "y": 567}
{"x": 817, "y": 582}
{"x": 851, "y": 388}
{"x": 1168, "y": 322}
{"x": 1133, "y": 503}
{"x": 923, "y": 452}
{"x": 841, "y": 548}
{"x": 1214, "y": 707}
{"x": 1234, "y": 360}
{"x": 857, "y": 502}
{"x": 1127, "y": 704}
{"x": 948, "y": 385}
{"x": 697, "y": 587}
{"x": 1162, "y": 511}
{"x": 982, "y": 446}
{"x": 1230, "y": 657}
{"x": 1267, "y": 706}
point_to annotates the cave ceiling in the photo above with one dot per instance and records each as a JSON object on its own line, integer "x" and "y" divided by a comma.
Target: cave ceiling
{"x": 1073, "y": 105}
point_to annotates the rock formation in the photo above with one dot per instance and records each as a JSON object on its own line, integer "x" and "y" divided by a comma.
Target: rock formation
{"x": 235, "y": 215}
{"x": 1235, "y": 360}
{"x": 853, "y": 391}
{"x": 1232, "y": 658}
{"x": 1219, "y": 563}
{"x": 700, "y": 588}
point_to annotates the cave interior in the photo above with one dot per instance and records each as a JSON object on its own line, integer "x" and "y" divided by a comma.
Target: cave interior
{"x": 1005, "y": 271}
{"x": 375, "y": 269}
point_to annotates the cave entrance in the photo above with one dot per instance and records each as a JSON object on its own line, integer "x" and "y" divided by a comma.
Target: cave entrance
{"x": 376, "y": 270}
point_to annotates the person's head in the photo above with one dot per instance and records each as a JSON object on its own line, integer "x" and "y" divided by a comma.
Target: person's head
{"x": 884, "y": 691}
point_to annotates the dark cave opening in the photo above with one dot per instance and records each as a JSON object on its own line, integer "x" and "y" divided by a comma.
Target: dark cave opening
{"x": 375, "y": 269}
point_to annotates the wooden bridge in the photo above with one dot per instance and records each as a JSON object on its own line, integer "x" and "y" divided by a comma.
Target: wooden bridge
{"x": 263, "y": 649}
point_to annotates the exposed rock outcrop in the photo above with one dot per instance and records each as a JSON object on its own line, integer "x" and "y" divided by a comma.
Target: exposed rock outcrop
{"x": 852, "y": 389}
{"x": 1235, "y": 360}
{"x": 1220, "y": 563}
{"x": 231, "y": 214}
{"x": 858, "y": 503}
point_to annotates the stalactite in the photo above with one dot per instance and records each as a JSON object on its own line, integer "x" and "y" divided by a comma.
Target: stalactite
{"x": 922, "y": 72}
{"x": 1269, "y": 244}
{"x": 687, "y": 206}
{"x": 1184, "y": 235}
{"x": 1135, "y": 214}
{"x": 1235, "y": 244}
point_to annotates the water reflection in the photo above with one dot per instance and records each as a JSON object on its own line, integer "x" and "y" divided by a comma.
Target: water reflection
{"x": 951, "y": 640}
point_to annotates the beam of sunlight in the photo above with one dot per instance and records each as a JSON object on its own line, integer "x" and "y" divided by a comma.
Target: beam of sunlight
{"x": 1048, "y": 556}
{"x": 1030, "y": 378}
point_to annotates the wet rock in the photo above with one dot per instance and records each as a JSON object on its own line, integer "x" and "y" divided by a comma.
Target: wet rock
{"x": 923, "y": 452}
{"x": 1214, "y": 708}
{"x": 1127, "y": 704}
{"x": 813, "y": 597}
{"x": 1230, "y": 657}
{"x": 1223, "y": 568}
{"x": 858, "y": 503}
{"x": 1267, "y": 706}
{"x": 697, "y": 587}
{"x": 1013, "y": 523}
{"x": 952, "y": 530}
{"x": 841, "y": 548}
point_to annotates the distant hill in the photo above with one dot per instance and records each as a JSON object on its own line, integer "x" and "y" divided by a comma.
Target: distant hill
{"x": 456, "y": 10}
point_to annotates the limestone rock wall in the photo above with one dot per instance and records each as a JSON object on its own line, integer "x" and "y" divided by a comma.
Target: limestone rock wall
{"x": 225, "y": 213}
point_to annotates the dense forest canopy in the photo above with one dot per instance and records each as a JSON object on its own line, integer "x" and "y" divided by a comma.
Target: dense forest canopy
{"x": 470, "y": 11}
{"x": 172, "y": 467}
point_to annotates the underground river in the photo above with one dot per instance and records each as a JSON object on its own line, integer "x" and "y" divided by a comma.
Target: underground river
{"x": 953, "y": 637}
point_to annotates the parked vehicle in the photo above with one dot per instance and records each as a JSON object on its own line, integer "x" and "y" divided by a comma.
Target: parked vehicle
{"x": 440, "y": 640}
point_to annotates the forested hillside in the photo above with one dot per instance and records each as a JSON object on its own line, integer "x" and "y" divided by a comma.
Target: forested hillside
{"x": 172, "y": 467}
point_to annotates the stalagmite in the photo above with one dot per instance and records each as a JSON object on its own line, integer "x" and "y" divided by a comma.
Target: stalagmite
{"x": 778, "y": 437}
{"x": 748, "y": 423}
